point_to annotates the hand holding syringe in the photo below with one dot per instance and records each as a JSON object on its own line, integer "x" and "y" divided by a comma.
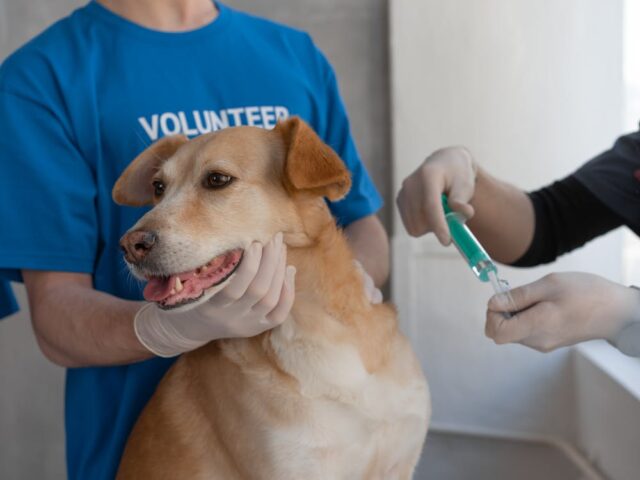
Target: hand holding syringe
{"x": 477, "y": 258}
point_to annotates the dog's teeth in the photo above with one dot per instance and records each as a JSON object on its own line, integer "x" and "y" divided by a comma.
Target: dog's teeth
{"x": 173, "y": 291}
{"x": 179, "y": 286}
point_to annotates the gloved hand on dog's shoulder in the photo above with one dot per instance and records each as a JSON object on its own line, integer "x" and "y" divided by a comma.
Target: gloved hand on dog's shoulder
{"x": 258, "y": 297}
{"x": 371, "y": 292}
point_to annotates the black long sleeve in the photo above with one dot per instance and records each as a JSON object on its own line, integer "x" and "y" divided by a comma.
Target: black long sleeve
{"x": 567, "y": 215}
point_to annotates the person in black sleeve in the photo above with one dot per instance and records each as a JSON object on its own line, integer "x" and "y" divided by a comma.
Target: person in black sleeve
{"x": 526, "y": 229}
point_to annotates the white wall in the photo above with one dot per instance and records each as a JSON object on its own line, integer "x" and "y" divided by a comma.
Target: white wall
{"x": 533, "y": 88}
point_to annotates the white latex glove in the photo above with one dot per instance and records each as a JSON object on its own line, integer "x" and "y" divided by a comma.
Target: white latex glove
{"x": 563, "y": 309}
{"x": 450, "y": 170}
{"x": 258, "y": 297}
{"x": 371, "y": 292}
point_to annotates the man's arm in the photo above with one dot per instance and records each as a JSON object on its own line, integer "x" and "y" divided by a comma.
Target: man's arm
{"x": 370, "y": 245}
{"x": 504, "y": 220}
{"x": 519, "y": 228}
{"x": 77, "y": 326}
{"x": 501, "y": 215}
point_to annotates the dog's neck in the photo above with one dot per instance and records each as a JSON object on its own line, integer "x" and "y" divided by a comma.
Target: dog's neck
{"x": 326, "y": 271}
{"x": 330, "y": 297}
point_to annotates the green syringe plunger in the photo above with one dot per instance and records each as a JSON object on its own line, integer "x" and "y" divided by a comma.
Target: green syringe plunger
{"x": 467, "y": 244}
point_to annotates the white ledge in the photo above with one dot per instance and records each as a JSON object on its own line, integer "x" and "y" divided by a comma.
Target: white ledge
{"x": 622, "y": 369}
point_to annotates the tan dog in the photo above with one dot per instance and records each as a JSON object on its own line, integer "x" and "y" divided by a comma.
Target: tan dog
{"x": 336, "y": 391}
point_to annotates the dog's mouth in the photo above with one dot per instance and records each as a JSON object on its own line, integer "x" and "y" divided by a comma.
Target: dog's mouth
{"x": 175, "y": 290}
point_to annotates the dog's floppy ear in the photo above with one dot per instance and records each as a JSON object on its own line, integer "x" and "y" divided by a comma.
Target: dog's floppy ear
{"x": 311, "y": 165}
{"x": 134, "y": 186}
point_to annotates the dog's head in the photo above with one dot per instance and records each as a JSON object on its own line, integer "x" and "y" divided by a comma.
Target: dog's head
{"x": 213, "y": 196}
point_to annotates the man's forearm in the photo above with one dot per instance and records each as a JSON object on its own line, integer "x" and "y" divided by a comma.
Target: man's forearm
{"x": 504, "y": 220}
{"x": 77, "y": 326}
{"x": 370, "y": 244}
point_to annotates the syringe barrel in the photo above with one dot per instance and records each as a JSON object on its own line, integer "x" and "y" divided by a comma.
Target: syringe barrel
{"x": 467, "y": 244}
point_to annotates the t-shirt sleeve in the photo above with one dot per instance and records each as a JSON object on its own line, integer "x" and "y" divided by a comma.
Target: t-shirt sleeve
{"x": 47, "y": 193}
{"x": 614, "y": 178}
{"x": 363, "y": 199}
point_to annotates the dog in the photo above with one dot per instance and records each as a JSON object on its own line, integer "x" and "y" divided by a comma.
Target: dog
{"x": 335, "y": 392}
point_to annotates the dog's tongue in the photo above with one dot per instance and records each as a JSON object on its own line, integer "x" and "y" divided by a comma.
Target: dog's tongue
{"x": 158, "y": 288}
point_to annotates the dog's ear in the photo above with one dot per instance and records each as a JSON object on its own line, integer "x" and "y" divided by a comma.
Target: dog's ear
{"x": 134, "y": 186}
{"x": 310, "y": 164}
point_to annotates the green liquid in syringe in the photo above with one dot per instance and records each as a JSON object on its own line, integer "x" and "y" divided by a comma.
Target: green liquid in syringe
{"x": 467, "y": 244}
{"x": 471, "y": 250}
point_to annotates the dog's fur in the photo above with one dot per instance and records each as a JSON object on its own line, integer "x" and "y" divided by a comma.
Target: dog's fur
{"x": 336, "y": 391}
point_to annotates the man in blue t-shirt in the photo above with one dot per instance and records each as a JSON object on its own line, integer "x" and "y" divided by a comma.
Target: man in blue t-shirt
{"x": 77, "y": 104}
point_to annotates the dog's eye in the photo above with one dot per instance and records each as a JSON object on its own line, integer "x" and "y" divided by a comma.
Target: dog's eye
{"x": 217, "y": 180}
{"x": 158, "y": 188}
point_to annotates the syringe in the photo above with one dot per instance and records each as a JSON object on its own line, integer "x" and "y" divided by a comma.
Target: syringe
{"x": 476, "y": 256}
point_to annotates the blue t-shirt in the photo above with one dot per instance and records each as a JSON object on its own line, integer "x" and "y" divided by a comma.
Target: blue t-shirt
{"x": 77, "y": 104}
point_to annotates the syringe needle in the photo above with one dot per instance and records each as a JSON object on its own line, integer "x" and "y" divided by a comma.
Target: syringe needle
{"x": 501, "y": 287}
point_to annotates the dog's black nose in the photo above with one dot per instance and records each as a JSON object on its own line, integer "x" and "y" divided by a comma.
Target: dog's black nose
{"x": 137, "y": 244}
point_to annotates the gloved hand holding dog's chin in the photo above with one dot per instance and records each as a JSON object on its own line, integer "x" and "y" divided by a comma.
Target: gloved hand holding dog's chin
{"x": 563, "y": 309}
{"x": 258, "y": 297}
